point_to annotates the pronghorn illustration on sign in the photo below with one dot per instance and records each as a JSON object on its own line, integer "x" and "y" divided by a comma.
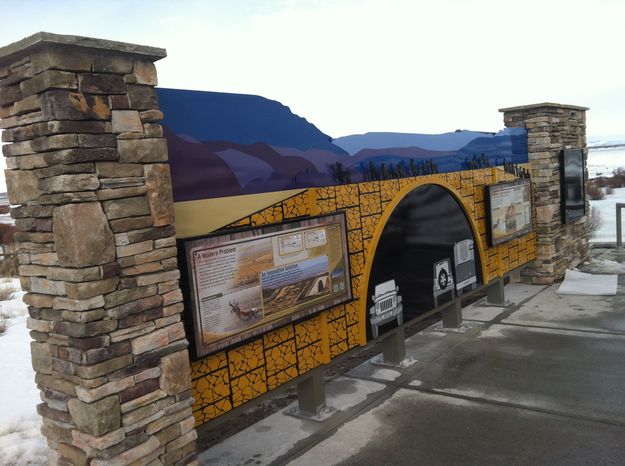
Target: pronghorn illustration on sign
{"x": 244, "y": 315}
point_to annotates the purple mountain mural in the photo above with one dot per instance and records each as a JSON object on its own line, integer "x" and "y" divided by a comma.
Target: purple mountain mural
{"x": 319, "y": 158}
{"x": 239, "y": 118}
{"x": 396, "y": 153}
{"x": 229, "y": 144}
{"x": 246, "y": 167}
{"x": 380, "y": 140}
{"x": 196, "y": 172}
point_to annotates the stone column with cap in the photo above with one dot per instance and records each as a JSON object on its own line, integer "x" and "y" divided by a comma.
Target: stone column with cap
{"x": 550, "y": 129}
{"x": 91, "y": 193}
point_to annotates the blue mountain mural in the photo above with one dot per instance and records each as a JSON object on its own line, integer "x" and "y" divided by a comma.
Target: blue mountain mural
{"x": 231, "y": 144}
{"x": 239, "y": 118}
{"x": 380, "y": 140}
{"x": 510, "y": 141}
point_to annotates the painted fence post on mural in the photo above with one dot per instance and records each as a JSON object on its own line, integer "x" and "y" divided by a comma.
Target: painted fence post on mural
{"x": 91, "y": 191}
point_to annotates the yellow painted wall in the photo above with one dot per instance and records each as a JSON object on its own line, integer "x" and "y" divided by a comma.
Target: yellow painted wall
{"x": 232, "y": 377}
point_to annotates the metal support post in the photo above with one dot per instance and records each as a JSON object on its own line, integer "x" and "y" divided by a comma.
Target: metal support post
{"x": 495, "y": 292}
{"x": 452, "y": 314}
{"x": 394, "y": 347}
{"x": 619, "y": 227}
{"x": 311, "y": 395}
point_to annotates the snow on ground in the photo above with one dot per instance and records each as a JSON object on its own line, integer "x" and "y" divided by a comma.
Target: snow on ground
{"x": 588, "y": 284}
{"x": 607, "y": 210}
{"x": 602, "y": 162}
{"x": 21, "y": 442}
{"x": 6, "y": 218}
{"x": 602, "y": 266}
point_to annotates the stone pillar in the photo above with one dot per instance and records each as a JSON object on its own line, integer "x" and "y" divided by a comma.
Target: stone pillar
{"x": 91, "y": 190}
{"x": 552, "y": 128}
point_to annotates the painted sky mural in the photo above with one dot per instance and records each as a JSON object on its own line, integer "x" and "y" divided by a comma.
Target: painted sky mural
{"x": 232, "y": 144}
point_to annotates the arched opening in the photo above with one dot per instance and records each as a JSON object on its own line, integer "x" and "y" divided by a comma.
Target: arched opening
{"x": 421, "y": 231}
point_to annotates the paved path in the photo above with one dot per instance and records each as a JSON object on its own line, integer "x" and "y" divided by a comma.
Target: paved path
{"x": 539, "y": 382}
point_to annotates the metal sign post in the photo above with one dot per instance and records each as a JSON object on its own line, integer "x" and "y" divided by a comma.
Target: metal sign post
{"x": 619, "y": 227}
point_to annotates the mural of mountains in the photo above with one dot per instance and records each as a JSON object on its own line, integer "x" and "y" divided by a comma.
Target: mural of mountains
{"x": 240, "y": 118}
{"x": 443, "y": 142}
{"x": 229, "y": 144}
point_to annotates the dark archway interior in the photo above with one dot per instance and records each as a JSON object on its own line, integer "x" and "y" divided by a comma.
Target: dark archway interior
{"x": 421, "y": 231}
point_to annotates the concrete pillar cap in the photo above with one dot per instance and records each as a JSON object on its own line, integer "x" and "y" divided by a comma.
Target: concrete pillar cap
{"x": 543, "y": 105}
{"x": 16, "y": 50}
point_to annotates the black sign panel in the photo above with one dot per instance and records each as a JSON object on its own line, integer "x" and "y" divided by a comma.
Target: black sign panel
{"x": 573, "y": 200}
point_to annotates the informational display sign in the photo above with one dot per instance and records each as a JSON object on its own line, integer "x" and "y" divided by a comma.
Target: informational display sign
{"x": 443, "y": 279}
{"x": 510, "y": 210}
{"x": 249, "y": 282}
{"x": 573, "y": 200}
{"x": 464, "y": 260}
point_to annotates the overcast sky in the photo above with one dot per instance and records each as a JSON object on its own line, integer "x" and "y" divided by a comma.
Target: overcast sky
{"x": 352, "y": 66}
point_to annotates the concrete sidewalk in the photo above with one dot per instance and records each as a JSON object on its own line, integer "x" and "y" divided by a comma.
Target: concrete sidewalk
{"x": 538, "y": 382}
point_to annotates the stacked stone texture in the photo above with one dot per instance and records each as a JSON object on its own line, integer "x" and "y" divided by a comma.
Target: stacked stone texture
{"x": 552, "y": 128}
{"x": 88, "y": 177}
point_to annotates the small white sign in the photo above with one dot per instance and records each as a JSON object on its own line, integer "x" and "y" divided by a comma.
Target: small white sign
{"x": 443, "y": 279}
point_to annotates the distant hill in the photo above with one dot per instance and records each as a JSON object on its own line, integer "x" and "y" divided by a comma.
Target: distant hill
{"x": 239, "y": 118}
{"x": 436, "y": 142}
{"x": 605, "y": 141}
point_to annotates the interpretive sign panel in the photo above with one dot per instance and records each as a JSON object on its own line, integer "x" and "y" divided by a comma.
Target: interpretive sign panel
{"x": 249, "y": 282}
{"x": 510, "y": 210}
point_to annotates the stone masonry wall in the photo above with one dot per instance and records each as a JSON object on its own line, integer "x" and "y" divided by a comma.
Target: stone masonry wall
{"x": 552, "y": 128}
{"x": 88, "y": 177}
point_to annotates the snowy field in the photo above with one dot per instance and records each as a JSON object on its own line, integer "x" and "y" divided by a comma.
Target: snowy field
{"x": 607, "y": 209}
{"x": 602, "y": 162}
{"x": 21, "y": 442}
